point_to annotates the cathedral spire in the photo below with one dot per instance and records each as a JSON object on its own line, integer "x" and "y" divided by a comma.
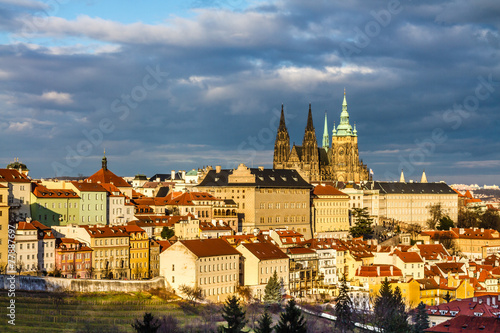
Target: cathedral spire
{"x": 326, "y": 137}
{"x": 344, "y": 128}
{"x": 282, "y": 120}
{"x": 334, "y": 132}
{"x": 402, "y": 178}
{"x": 310, "y": 126}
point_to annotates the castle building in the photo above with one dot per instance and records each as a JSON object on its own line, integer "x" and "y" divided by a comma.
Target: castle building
{"x": 335, "y": 161}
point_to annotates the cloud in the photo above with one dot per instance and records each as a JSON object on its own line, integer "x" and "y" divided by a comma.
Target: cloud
{"x": 57, "y": 97}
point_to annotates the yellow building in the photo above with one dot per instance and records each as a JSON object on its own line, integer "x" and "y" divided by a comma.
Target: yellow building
{"x": 472, "y": 241}
{"x": 4, "y": 225}
{"x": 139, "y": 252}
{"x": 260, "y": 261}
{"x": 409, "y": 290}
{"x": 266, "y": 198}
{"x": 209, "y": 264}
{"x": 330, "y": 209}
{"x": 433, "y": 292}
{"x": 463, "y": 287}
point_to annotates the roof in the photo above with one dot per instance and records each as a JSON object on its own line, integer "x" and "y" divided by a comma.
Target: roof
{"x": 432, "y": 251}
{"x": 13, "y": 176}
{"x": 88, "y": 187}
{"x": 417, "y": 188}
{"x": 209, "y": 247}
{"x": 468, "y": 324}
{"x": 299, "y": 250}
{"x": 106, "y": 176}
{"x": 106, "y": 231}
{"x": 207, "y": 226}
{"x": 265, "y": 251}
{"x": 187, "y": 198}
{"x": 280, "y": 178}
{"x": 25, "y": 226}
{"x": 408, "y": 257}
{"x": 41, "y": 191}
{"x": 476, "y": 233}
{"x": 378, "y": 271}
{"x": 328, "y": 190}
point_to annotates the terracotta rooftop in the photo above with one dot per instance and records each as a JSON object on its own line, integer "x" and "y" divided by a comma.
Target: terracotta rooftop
{"x": 378, "y": 271}
{"x": 265, "y": 251}
{"x": 408, "y": 257}
{"x": 41, "y": 191}
{"x": 106, "y": 176}
{"x": 328, "y": 190}
{"x": 468, "y": 324}
{"x": 106, "y": 231}
{"x": 209, "y": 247}
{"x": 13, "y": 176}
{"x": 88, "y": 187}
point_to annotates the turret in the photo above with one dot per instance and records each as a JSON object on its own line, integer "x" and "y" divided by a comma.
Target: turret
{"x": 326, "y": 137}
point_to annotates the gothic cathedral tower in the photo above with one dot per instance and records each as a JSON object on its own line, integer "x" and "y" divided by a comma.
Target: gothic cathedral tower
{"x": 282, "y": 144}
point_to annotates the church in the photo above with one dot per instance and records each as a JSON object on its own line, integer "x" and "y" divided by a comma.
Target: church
{"x": 338, "y": 161}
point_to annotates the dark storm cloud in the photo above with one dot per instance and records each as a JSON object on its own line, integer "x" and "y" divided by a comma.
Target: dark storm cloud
{"x": 229, "y": 72}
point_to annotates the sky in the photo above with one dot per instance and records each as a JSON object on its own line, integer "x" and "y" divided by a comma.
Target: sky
{"x": 177, "y": 85}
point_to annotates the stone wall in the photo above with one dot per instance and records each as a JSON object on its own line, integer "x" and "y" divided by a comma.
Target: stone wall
{"x": 33, "y": 283}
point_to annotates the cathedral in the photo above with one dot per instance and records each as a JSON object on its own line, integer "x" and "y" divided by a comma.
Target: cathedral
{"x": 338, "y": 161}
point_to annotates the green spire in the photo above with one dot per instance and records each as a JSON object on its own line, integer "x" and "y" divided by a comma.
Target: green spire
{"x": 326, "y": 138}
{"x": 344, "y": 128}
{"x": 334, "y": 132}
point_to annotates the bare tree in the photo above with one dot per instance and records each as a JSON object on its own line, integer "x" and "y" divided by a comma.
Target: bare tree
{"x": 193, "y": 294}
{"x": 436, "y": 212}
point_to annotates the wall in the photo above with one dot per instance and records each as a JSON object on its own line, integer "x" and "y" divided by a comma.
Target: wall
{"x": 33, "y": 283}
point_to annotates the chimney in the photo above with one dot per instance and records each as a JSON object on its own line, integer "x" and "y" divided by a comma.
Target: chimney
{"x": 261, "y": 168}
{"x": 214, "y": 222}
{"x": 392, "y": 270}
{"x": 218, "y": 168}
{"x": 183, "y": 174}
{"x": 172, "y": 175}
{"x": 488, "y": 300}
{"x": 378, "y": 270}
{"x": 221, "y": 223}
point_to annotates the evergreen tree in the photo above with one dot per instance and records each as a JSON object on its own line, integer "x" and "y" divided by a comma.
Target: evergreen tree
{"x": 447, "y": 297}
{"x": 166, "y": 233}
{"x": 149, "y": 324}
{"x": 343, "y": 308}
{"x": 390, "y": 310}
{"x": 233, "y": 313}
{"x": 362, "y": 223}
{"x": 292, "y": 320}
{"x": 264, "y": 323}
{"x": 421, "y": 319}
{"x": 445, "y": 223}
{"x": 272, "y": 293}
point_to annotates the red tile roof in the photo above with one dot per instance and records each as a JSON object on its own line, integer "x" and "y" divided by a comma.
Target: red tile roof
{"x": 378, "y": 271}
{"x": 209, "y": 247}
{"x": 328, "y": 190}
{"x": 265, "y": 251}
{"x": 468, "y": 324}
{"x": 106, "y": 176}
{"x": 88, "y": 187}
{"x": 41, "y": 191}
{"x": 106, "y": 231}
{"x": 408, "y": 257}
{"x": 25, "y": 226}
{"x": 13, "y": 176}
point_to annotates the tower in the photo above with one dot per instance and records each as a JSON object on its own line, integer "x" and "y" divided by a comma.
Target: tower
{"x": 104, "y": 162}
{"x": 326, "y": 137}
{"x": 282, "y": 144}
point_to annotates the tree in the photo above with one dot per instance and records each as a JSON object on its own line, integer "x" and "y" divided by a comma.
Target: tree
{"x": 233, "y": 314}
{"x": 292, "y": 320}
{"x": 420, "y": 319}
{"x": 468, "y": 217}
{"x": 90, "y": 271}
{"x": 436, "y": 213}
{"x": 362, "y": 223}
{"x": 264, "y": 323}
{"x": 447, "y": 297}
{"x": 445, "y": 223}
{"x": 343, "y": 308}
{"x": 149, "y": 324}
{"x": 446, "y": 238}
{"x": 490, "y": 219}
{"x": 167, "y": 233}
{"x": 193, "y": 294}
{"x": 389, "y": 310}
{"x": 244, "y": 292}
{"x": 272, "y": 292}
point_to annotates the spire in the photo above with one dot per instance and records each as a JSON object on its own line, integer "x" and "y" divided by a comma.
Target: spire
{"x": 424, "y": 177}
{"x": 355, "y": 131}
{"x": 310, "y": 125}
{"x": 104, "y": 161}
{"x": 402, "y": 178}
{"x": 326, "y": 137}
{"x": 334, "y": 132}
{"x": 282, "y": 120}
{"x": 344, "y": 128}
